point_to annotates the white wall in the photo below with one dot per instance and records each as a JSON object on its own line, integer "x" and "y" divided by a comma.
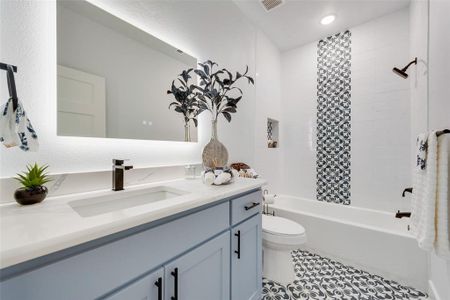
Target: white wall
{"x": 439, "y": 111}
{"x": 268, "y": 95}
{"x": 419, "y": 74}
{"x": 380, "y": 162}
{"x": 298, "y": 130}
{"x": 439, "y": 47}
{"x": 430, "y": 91}
{"x": 380, "y": 113}
{"x": 29, "y": 27}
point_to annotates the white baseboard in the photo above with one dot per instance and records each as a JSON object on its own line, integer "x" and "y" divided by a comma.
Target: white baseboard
{"x": 432, "y": 291}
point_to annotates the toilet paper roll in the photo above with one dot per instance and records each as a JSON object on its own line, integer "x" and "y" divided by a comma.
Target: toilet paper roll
{"x": 222, "y": 178}
{"x": 269, "y": 198}
{"x": 208, "y": 178}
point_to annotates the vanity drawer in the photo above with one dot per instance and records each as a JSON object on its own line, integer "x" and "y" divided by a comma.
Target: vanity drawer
{"x": 245, "y": 206}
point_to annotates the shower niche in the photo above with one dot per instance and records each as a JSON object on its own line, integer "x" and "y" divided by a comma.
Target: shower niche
{"x": 272, "y": 133}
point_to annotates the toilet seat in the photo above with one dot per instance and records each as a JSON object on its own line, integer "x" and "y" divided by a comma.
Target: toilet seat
{"x": 281, "y": 226}
{"x": 282, "y": 231}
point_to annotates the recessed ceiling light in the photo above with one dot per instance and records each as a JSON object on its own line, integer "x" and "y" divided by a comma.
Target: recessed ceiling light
{"x": 327, "y": 19}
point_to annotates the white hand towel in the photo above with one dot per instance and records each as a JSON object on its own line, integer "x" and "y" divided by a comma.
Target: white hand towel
{"x": 16, "y": 129}
{"x": 424, "y": 197}
{"x": 442, "y": 244}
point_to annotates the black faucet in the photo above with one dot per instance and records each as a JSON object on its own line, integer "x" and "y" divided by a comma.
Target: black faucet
{"x": 118, "y": 174}
{"x": 400, "y": 215}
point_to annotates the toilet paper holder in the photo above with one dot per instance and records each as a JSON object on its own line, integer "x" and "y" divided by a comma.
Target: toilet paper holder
{"x": 266, "y": 210}
{"x": 265, "y": 205}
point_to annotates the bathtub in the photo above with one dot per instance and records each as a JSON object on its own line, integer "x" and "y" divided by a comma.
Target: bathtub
{"x": 372, "y": 240}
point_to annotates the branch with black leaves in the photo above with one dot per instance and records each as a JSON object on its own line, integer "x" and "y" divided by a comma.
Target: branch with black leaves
{"x": 185, "y": 102}
{"x": 217, "y": 92}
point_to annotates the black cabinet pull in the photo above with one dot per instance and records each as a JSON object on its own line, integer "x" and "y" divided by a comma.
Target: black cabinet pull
{"x": 250, "y": 206}
{"x": 158, "y": 283}
{"x": 174, "y": 273}
{"x": 238, "y": 251}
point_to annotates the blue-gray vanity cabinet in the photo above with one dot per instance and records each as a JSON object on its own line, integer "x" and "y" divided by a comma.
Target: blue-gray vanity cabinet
{"x": 100, "y": 270}
{"x": 192, "y": 253}
{"x": 246, "y": 260}
{"x": 201, "y": 274}
{"x": 150, "y": 287}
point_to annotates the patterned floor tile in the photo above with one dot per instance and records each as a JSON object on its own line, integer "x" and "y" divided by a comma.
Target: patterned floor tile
{"x": 274, "y": 291}
{"x": 321, "y": 278}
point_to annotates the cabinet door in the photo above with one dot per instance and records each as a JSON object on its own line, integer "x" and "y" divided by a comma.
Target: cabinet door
{"x": 246, "y": 261}
{"x": 201, "y": 274}
{"x": 149, "y": 287}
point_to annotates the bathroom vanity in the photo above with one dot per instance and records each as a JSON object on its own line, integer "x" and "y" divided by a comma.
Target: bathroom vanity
{"x": 204, "y": 243}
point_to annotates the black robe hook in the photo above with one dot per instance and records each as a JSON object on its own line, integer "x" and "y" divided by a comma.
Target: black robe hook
{"x": 10, "y": 69}
{"x": 5, "y": 67}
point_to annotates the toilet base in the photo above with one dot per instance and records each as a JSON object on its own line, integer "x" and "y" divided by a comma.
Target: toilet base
{"x": 278, "y": 265}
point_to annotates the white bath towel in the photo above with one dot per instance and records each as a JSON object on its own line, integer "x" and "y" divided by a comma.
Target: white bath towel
{"x": 421, "y": 151}
{"x": 442, "y": 243}
{"x": 424, "y": 197}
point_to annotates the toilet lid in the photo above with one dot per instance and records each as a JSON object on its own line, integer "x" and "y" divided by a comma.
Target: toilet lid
{"x": 281, "y": 226}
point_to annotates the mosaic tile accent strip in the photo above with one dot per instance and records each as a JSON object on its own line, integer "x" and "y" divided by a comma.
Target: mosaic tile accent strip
{"x": 333, "y": 118}
{"x": 321, "y": 278}
{"x": 269, "y": 129}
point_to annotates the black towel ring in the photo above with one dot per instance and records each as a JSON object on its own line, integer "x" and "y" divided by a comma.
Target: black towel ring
{"x": 445, "y": 131}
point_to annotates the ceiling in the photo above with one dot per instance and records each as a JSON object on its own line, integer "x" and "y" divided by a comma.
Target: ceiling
{"x": 297, "y": 22}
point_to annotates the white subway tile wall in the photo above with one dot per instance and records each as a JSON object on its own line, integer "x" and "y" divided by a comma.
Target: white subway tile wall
{"x": 381, "y": 143}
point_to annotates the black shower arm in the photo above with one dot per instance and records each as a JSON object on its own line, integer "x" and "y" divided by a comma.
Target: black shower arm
{"x": 412, "y": 62}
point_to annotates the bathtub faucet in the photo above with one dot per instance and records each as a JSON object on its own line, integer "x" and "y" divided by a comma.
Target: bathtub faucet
{"x": 400, "y": 215}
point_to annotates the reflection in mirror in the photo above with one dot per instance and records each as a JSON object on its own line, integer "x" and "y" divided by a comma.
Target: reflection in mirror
{"x": 113, "y": 78}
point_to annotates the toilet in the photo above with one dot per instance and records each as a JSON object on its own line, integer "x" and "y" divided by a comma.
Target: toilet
{"x": 280, "y": 237}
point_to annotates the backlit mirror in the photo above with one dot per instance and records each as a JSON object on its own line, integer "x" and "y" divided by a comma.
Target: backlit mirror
{"x": 113, "y": 78}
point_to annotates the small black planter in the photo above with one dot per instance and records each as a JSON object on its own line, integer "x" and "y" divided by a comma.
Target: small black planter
{"x": 27, "y": 196}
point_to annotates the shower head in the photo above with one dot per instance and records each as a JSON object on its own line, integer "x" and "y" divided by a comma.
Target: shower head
{"x": 402, "y": 72}
{"x": 399, "y": 72}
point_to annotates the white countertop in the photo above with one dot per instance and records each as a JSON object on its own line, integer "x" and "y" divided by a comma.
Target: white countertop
{"x": 28, "y": 232}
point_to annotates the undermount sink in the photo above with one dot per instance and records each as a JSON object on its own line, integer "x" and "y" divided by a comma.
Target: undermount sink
{"x": 92, "y": 206}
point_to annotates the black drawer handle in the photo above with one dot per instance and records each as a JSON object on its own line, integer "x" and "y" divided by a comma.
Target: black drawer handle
{"x": 250, "y": 206}
{"x": 175, "y": 284}
{"x": 159, "y": 285}
{"x": 238, "y": 251}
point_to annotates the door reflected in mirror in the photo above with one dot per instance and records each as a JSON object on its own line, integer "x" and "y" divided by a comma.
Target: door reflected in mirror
{"x": 113, "y": 78}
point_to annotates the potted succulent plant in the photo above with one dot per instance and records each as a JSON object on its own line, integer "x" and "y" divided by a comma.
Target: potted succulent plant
{"x": 218, "y": 94}
{"x": 185, "y": 102}
{"x": 33, "y": 189}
